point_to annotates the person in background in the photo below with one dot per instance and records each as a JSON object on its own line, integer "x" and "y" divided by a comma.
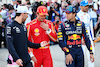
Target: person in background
{"x": 1, "y": 20}
{"x": 83, "y": 16}
{"x": 29, "y": 15}
{"x": 56, "y": 23}
{"x": 73, "y": 30}
{"x": 62, "y": 11}
{"x": 93, "y": 7}
{"x": 4, "y": 14}
{"x": 39, "y": 30}
{"x": 11, "y": 14}
{"x": 17, "y": 41}
{"x": 54, "y": 10}
{"x": 18, "y": 3}
{"x": 49, "y": 2}
{"x": 97, "y": 30}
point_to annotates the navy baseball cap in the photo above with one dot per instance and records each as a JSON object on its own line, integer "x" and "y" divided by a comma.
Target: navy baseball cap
{"x": 84, "y": 3}
{"x": 70, "y": 9}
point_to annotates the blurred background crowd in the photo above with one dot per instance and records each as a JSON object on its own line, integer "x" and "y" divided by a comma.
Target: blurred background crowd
{"x": 56, "y": 11}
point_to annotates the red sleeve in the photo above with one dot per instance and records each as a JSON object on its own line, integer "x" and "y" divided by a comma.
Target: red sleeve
{"x": 29, "y": 33}
{"x": 52, "y": 34}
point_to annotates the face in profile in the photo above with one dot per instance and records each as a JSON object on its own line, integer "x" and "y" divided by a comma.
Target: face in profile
{"x": 24, "y": 17}
{"x": 41, "y": 17}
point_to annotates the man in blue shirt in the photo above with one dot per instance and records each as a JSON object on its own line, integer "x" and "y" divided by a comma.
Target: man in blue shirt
{"x": 73, "y": 30}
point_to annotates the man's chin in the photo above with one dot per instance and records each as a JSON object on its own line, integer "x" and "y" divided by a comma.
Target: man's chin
{"x": 42, "y": 19}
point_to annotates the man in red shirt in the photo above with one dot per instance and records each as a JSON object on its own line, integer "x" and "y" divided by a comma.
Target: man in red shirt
{"x": 42, "y": 30}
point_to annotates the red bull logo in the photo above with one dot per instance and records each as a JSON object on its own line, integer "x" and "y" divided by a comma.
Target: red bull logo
{"x": 75, "y": 42}
{"x": 74, "y": 37}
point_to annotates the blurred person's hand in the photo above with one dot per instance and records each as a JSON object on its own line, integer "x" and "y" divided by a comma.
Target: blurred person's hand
{"x": 33, "y": 58}
{"x": 1, "y": 20}
{"x": 44, "y": 26}
{"x": 44, "y": 43}
{"x": 19, "y": 62}
{"x": 83, "y": 43}
{"x": 53, "y": 9}
{"x": 92, "y": 58}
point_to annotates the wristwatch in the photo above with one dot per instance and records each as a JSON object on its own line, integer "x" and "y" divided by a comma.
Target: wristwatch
{"x": 48, "y": 31}
{"x": 91, "y": 53}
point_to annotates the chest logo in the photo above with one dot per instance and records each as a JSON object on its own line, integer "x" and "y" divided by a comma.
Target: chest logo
{"x": 78, "y": 24}
{"x": 36, "y": 30}
{"x": 18, "y": 30}
{"x": 74, "y": 37}
{"x": 67, "y": 25}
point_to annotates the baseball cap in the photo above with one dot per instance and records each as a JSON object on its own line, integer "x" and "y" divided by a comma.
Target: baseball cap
{"x": 84, "y": 3}
{"x": 70, "y": 9}
{"x": 42, "y": 10}
{"x": 22, "y": 9}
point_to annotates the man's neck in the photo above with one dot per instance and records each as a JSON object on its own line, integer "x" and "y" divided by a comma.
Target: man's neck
{"x": 19, "y": 20}
{"x": 83, "y": 11}
{"x": 73, "y": 20}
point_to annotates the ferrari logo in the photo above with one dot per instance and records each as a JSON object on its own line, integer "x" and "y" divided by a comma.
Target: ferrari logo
{"x": 44, "y": 10}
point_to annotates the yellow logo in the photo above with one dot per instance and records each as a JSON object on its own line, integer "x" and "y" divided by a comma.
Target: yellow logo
{"x": 36, "y": 30}
{"x": 86, "y": 31}
{"x": 44, "y": 10}
{"x": 78, "y": 24}
{"x": 59, "y": 33}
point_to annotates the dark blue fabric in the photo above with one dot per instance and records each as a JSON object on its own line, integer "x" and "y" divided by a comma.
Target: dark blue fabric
{"x": 17, "y": 41}
{"x": 78, "y": 57}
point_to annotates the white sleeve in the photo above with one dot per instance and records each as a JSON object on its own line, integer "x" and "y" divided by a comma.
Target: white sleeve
{"x": 95, "y": 6}
{"x": 91, "y": 30}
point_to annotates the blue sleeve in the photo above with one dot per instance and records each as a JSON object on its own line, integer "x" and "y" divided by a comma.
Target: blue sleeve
{"x": 10, "y": 45}
{"x": 86, "y": 37}
{"x": 61, "y": 35}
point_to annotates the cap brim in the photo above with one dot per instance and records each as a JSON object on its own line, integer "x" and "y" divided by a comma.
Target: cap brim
{"x": 68, "y": 12}
{"x": 85, "y": 5}
{"x": 43, "y": 14}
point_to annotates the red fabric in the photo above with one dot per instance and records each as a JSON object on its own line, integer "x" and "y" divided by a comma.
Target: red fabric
{"x": 36, "y": 34}
{"x": 43, "y": 57}
{"x": 42, "y": 10}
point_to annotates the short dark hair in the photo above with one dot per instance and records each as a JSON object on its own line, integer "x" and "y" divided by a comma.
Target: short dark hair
{"x": 11, "y": 7}
{"x": 5, "y": 5}
{"x": 74, "y": 13}
{"x": 19, "y": 1}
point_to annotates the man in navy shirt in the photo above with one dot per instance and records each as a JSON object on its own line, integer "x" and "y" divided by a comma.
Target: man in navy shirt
{"x": 17, "y": 41}
{"x": 70, "y": 34}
